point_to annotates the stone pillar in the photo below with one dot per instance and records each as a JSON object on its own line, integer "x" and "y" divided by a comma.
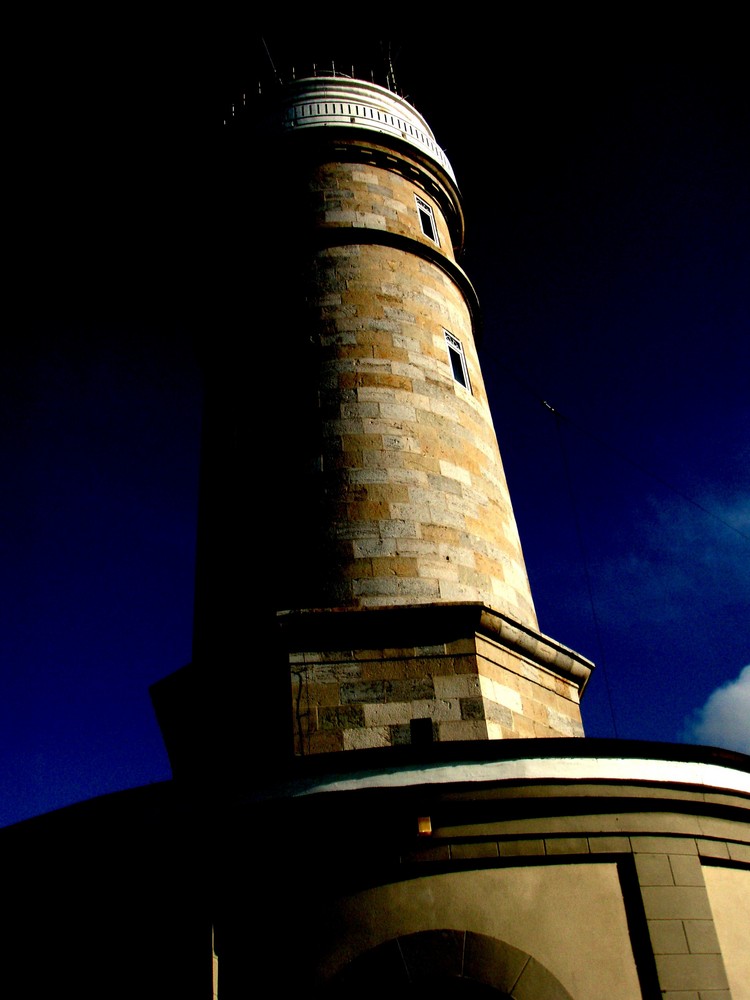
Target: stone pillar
{"x": 680, "y": 922}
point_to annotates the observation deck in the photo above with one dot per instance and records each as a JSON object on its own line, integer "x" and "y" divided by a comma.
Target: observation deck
{"x": 342, "y": 102}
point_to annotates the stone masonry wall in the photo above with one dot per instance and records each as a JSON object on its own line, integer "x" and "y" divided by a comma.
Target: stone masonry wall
{"x": 470, "y": 689}
{"x": 414, "y": 502}
{"x": 367, "y": 196}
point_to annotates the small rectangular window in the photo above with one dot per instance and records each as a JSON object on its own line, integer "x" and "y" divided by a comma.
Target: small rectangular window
{"x": 427, "y": 219}
{"x": 457, "y": 360}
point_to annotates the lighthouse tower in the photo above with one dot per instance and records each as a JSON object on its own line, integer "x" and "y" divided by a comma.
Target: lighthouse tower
{"x": 359, "y": 804}
{"x": 352, "y": 473}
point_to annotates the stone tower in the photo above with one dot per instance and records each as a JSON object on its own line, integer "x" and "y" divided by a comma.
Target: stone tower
{"x": 360, "y": 585}
{"x": 385, "y": 545}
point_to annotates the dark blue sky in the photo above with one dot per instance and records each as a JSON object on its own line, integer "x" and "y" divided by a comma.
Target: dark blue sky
{"x": 607, "y": 234}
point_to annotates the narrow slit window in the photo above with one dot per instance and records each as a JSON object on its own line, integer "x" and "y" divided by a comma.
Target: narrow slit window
{"x": 457, "y": 360}
{"x": 427, "y": 220}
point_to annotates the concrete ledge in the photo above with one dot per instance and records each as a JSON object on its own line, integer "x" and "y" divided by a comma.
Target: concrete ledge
{"x": 418, "y": 625}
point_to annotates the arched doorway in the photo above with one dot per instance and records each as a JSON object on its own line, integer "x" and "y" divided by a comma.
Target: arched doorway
{"x": 446, "y": 965}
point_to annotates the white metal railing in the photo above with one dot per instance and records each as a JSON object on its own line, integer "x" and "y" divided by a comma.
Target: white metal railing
{"x": 305, "y": 113}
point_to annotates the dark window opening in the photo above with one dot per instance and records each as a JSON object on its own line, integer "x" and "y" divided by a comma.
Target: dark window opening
{"x": 457, "y": 360}
{"x": 421, "y": 731}
{"x": 427, "y": 220}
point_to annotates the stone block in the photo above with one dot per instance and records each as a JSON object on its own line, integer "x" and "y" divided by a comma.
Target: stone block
{"x": 472, "y": 708}
{"x": 440, "y": 710}
{"x": 485, "y": 962}
{"x": 534, "y": 711}
{"x": 392, "y": 714}
{"x": 359, "y": 692}
{"x": 464, "y": 730}
{"x": 668, "y": 937}
{"x": 363, "y": 739}
{"x": 400, "y": 735}
{"x": 567, "y": 845}
{"x": 460, "y": 686}
{"x": 485, "y": 849}
{"x": 663, "y": 845}
{"x": 321, "y": 694}
{"x": 609, "y": 845}
{"x": 739, "y": 852}
{"x": 519, "y": 848}
{"x": 676, "y": 902}
{"x": 498, "y": 714}
{"x": 329, "y": 742}
{"x": 686, "y": 869}
{"x": 382, "y": 670}
{"x": 429, "y": 853}
{"x": 691, "y": 972}
{"x": 440, "y": 956}
{"x": 331, "y": 673}
{"x": 654, "y": 869}
{"x": 712, "y": 848}
{"x": 523, "y": 728}
{"x": 497, "y": 732}
{"x": 426, "y": 666}
{"x": 503, "y": 694}
{"x": 409, "y": 689}
{"x": 342, "y": 717}
{"x": 438, "y": 650}
{"x": 369, "y": 548}
{"x": 701, "y": 936}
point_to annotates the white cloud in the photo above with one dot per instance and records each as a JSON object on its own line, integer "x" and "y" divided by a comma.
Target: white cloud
{"x": 724, "y": 720}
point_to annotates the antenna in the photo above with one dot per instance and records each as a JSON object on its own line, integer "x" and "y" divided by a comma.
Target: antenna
{"x": 391, "y": 77}
{"x": 268, "y": 53}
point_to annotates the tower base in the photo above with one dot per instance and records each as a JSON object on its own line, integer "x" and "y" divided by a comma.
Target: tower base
{"x": 419, "y": 674}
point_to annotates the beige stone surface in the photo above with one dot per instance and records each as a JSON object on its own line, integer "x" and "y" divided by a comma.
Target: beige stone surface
{"x": 605, "y": 844}
{"x": 668, "y": 937}
{"x": 729, "y": 893}
{"x": 547, "y": 912}
{"x": 701, "y": 937}
{"x": 654, "y": 869}
{"x": 686, "y": 869}
{"x": 676, "y": 903}
{"x": 691, "y": 972}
